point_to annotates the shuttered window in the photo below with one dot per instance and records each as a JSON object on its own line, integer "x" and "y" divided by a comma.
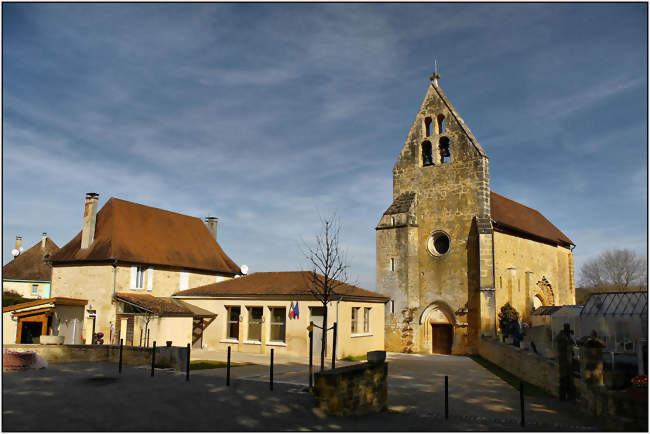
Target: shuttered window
{"x": 149, "y": 278}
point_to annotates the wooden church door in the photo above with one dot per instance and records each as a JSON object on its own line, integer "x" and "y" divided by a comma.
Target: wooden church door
{"x": 441, "y": 336}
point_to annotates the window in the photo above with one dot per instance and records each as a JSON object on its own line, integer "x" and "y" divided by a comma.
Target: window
{"x": 149, "y": 279}
{"x": 278, "y": 323}
{"x": 392, "y": 264}
{"x": 255, "y": 323}
{"x": 440, "y": 124}
{"x": 233, "y": 322}
{"x": 427, "y": 126}
{"x": 392, "y": 221}
{"x": 184, "y": 280}
{"x": 355, "y": 320}
{"x": 34, "y": 289}
{"x": 427, "y": 154}
{"x": 445, "y": 154}
{"x": 438, "y": 243}
{"x": 366, "y": 320}
{"x": 137, "y": 277}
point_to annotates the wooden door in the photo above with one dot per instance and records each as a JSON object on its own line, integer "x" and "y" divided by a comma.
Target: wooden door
{"x": 316, "y": 315}
{"x": 441, "y": 338}
{"x": 129, "y": 330}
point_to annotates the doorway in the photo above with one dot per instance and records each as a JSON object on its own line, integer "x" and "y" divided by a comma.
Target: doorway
{"x": 316, "y": 316}
{"x": 29, "y": 331}
{"x": 441, "y": 338}
{"x": 197, "y": 333}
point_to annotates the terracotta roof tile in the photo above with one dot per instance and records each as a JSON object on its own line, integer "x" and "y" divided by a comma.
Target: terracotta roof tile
{"x": 163, "y": 306}
{"x": 29, "y": 265}
{"x": 136, "y": 233}
{"x": 514, "y": 216}
{"x": 281, "y": 283}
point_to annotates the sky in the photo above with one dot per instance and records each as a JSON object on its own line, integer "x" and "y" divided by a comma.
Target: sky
{"x": 269, "y": 116}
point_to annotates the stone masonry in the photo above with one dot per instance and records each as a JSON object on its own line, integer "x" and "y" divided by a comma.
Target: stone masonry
{"x": 441, "y": 200}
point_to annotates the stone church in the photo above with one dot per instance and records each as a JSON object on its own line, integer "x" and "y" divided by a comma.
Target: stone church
{"x": 451, "y": 252}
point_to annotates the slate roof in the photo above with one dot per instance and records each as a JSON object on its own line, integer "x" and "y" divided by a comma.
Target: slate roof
{"x": 135, "y": 233}
{"x": 508, "y": 214}
{"x": 29, "y": 265}
{"x": 277, "y": 284}
{"x": 402, "y": 203}
{"x": 617, "y": 304}
{"x": 162, "y": 306}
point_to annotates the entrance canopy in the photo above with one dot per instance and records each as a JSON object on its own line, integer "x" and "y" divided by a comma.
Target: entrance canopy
{"x": 160, "y": 306}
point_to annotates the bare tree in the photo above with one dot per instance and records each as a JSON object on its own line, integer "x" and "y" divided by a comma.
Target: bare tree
{"x": 328, "y": 269}
{"x": 617, "y": 268}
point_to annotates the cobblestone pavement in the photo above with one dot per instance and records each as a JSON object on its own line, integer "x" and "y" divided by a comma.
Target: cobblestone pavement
{"x": 93, "y": 396}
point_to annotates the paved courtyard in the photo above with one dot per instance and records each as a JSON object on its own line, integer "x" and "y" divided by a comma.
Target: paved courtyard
{"x": 93, "y": 396}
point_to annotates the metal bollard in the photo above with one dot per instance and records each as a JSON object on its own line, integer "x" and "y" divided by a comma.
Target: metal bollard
{"x": 446, "y": 397}
{"x": 334, "y": 332}
{"x": 153, "y": 357}
{"x": 311, "y": 360}
{"x": 228, "y": 369}
{"x": 121, "y": 346}
{"x": 521, "y": 402}
{"x": 271, "y": 373}
{"x": 187, "y": 367}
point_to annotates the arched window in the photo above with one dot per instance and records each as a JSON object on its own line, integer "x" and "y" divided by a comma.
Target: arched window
{"x": 427, "y": 126}
{"x": 427, "y": 154}
{"x": 440, "y": 127}
{"x": 445, "y": 154}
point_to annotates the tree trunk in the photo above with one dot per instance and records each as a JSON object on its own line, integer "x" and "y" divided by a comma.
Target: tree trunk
{"x": 324, "y": 338}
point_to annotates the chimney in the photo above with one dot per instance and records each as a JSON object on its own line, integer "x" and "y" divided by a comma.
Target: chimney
{"x": 211, "y": 223}
{"x": 43, "y": 240}
{"x": 19, "y": 241}
{"x": 90, "y": 218}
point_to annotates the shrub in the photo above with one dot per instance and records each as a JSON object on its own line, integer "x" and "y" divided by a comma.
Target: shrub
{"x": 508, "y": 318}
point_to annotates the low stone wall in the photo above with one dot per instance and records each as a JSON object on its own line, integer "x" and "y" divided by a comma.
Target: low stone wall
{"x": 166, "y": 357}
{"x": 353, "y": 390}
{"x": 621, "y": 410}
{"x": 528, "y": 366}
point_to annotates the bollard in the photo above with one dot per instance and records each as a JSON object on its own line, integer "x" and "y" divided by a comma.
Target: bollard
{"x": 446, "y": 397}
{"x": 271, "y": 373}
{"x": 334, "y": 346}
{"x": 521, "y": 402}
{"x": 228, "y": 369}
{"x": 311, "y": 359}
{"x": 187, "y": 367}
{"x": 153, "y": 357}
{"x": 121, "y": 346}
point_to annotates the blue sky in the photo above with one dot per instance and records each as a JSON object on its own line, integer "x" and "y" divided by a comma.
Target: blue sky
{"x": 266, "y": 115}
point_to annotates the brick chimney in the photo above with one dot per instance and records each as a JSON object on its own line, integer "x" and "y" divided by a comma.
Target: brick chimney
{"x": 90, "y": 218}
{"x": 43, "y": 240}
{"x": 211, "y": 223}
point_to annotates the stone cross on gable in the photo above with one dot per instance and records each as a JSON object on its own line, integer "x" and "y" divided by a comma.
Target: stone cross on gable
{"x": 434, "y": 78}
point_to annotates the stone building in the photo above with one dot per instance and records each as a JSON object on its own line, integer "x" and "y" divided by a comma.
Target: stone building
{"x": 450, "y": 252}
{"x": 29, "y": 273}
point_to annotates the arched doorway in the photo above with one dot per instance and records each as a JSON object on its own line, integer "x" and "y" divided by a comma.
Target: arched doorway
{"x": 437, "y": 322}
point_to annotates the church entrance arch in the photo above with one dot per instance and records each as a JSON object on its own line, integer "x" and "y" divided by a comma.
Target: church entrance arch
{"x": 437, "y": 322}
{"x": 543, "y": 294}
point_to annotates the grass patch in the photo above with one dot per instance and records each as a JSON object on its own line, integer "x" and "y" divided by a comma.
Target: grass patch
{"x": 354, "y": 358}
{"x": 513, "y": 380}
{"x": 210, "y": 364}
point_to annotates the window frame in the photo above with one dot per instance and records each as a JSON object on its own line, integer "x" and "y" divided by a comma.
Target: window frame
{"x": 34, "y": 288}
{"x": 255, "y": 322}
{"x": 354, "y": 320}
{"x": 273, "y": 324}
{"x": 230, "y": 322}
{"x": 366, "y": 319}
